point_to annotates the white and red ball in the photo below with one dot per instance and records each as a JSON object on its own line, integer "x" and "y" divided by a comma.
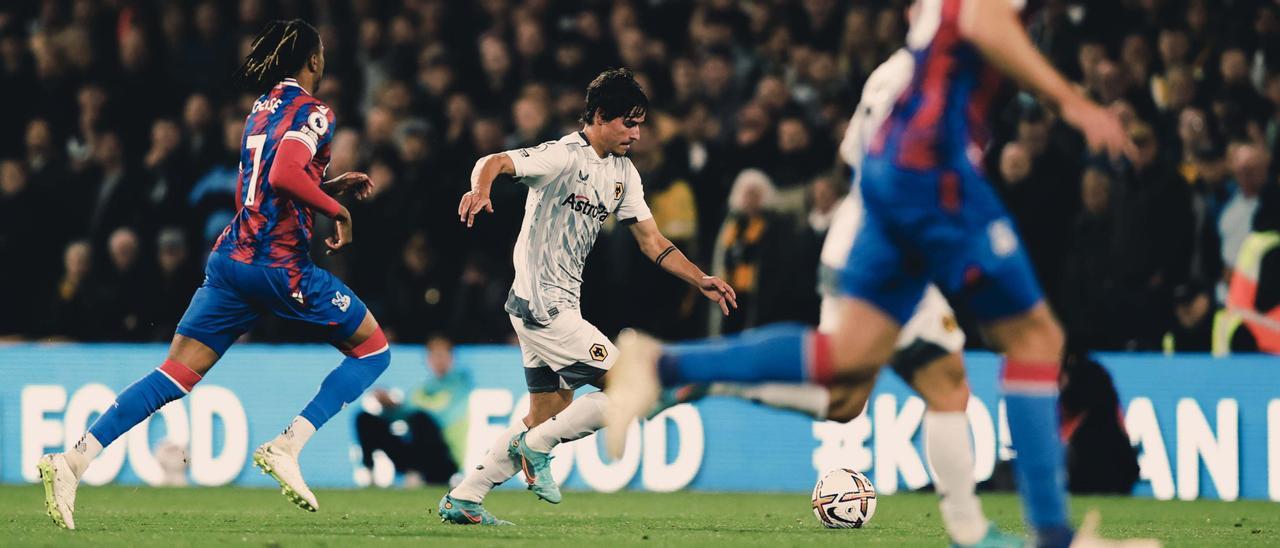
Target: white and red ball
{"x": 844, "y": 499}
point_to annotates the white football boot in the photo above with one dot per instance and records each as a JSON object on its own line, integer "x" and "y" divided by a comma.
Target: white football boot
{"x": 633, "y": 387}
{"x": 281, "y": 464}
{"x": 59, "y": 489}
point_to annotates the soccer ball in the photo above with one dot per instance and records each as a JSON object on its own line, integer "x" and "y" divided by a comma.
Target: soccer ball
{"x": 844, "y": 499}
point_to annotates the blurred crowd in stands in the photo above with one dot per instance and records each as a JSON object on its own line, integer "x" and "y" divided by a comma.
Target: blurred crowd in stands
{"x": 120, "y": 137}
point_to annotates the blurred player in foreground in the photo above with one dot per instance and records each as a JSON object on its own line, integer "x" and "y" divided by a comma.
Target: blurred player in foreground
{"x": 574, "y": 184}
{"x": 927, "y": 354}
{"x": 930, "y": 216}
{"x": 259, "y": 265}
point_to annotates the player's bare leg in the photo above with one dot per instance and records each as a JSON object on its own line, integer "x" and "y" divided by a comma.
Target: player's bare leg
{"x": 188, "y": 360}
{"x": 367, "y": 356}
{"x": 863, "y": 340}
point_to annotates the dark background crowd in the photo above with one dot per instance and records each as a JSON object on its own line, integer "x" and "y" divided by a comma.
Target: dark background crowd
{"x": 120, "y": 136}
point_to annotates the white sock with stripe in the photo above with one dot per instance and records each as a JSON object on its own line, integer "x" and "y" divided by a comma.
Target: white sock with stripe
{"x": 494, "y": 469}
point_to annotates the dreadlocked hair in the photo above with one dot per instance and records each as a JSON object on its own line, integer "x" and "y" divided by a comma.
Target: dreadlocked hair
{"x": 279, "y": 51}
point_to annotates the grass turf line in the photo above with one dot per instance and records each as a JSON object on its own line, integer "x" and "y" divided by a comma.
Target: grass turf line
{"x": 144, "y": 516}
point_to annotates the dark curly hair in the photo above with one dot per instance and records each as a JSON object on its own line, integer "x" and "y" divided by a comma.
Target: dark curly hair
{"x": 614, "y": 93}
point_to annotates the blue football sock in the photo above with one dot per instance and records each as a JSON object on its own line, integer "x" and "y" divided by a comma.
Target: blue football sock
{"x": 1031, "y": 401}
{"x": 137, "y": 402}
{"x": 344, "y": 384}
{"x": 778, "y": 352}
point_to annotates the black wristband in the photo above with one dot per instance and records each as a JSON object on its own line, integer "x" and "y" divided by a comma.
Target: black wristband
{"x": 663, "y": 255}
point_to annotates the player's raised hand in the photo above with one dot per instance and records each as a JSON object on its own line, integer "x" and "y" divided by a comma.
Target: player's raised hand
{"x": 341, "y": 232}
{"x": 1102, "y": 129}
{"x": 358, "y": 183}
{"x": 717, "y": 290}
{"x": 473, "y": 202}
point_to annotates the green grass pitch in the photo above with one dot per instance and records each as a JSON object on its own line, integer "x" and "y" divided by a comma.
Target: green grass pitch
{"x": 145, "y": 516}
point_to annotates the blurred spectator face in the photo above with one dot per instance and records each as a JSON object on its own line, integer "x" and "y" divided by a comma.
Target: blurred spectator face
{"x": 458, "y": 109}
{"x": 164, "y": 135}
{"x": 440, "y": 355}
{"x": 414, "y": 148}
{"x": 530, "y": 43}
{"x": 402, "y": 31}
{"x": 1193, "y": 129}
{"x": 753, "y": 123}
{"x": 232, "y": 132}
{"x": 395, "y": 98}
{"x": 753, "y": 200}
{"x": 698, "y": 123}
{"x": 133, "y": 50}
{"x": 91, "y": 98}
{"x": 1234, "y": 67}
{"x": 1197, "y": 17}
{"x": 344, "y": 150}
{"x": 772, "y": 92}
{"x": 379, "y": 126}
{"x": 716, "y": 75}
{"x": 1095, "y": 191}
{"x": 1111, "y": 81}
{"x": 825, "y": 194}
{"x": 123, "y": 249}
{"x": 370, "y": 34}
{"x": 569, "y": 55}
{"x": 1173, "y": 45}
{"x": 857, "y": 30}
{"x": 684, "y": 77}
{"x": 171, "y": 250}
{"x": 793, "y": 136}
{"x": 632, "y": 48}
{"x": 889, "y": 26}
{"x": 1249, "y": 165}
{"x": 207, "y": 20}
{"x": 1271, "y": 90}
{"x": 1088, "y": 56}
{"x": 173, "y": 23}
{"x": 197, "y": 112}
{"x": 1192, "y": 311}
{"x": 38, "y": 139}
{"x": 1135, "y": 52}
{"x": 107, "y": 152}
{"x": 250, "y": 12}
{"x": 493, "y": 56}
{"x": 436, "y": 79}
{"x": 1181, "y": 87}
{"x": 622, "y": 18}
{"x": 822, "y": 68}
{"x": 530, "y": 116}
{"x": 415, "y": 255}
{"x": 1015, "y": 163}
{"x": 486, "y": 135}
{"x": 75, "y": 260}
{"x": 13, "y": 177}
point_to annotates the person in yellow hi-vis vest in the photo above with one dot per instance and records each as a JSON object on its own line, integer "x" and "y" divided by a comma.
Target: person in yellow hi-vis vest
{"x": 1253, "y": 297}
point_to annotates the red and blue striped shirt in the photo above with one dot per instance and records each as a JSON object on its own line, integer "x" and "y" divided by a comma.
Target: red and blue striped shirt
{"x": 269, "y": 228}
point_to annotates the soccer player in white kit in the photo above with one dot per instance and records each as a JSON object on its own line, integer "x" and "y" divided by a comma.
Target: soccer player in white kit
{"x": 574, "y": 184}
{"x": 927, "y": 353}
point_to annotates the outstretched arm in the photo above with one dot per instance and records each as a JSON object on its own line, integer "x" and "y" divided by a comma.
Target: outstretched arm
{"x": 661, "y": 251}
{"x": 482, "y": 176}
{"x": 993, "y": 27}
{"x": 289, "y": 177}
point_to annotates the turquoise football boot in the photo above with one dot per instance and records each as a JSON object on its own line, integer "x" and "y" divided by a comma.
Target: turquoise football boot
{"x": 463, "y": 512}
{"x": 536, "y": 466}
{"x": 995, "y": 538}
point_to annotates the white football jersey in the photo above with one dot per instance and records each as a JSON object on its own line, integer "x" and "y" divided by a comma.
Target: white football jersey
{"x": 880, "y": 92}
{"x": 571, "y": 193}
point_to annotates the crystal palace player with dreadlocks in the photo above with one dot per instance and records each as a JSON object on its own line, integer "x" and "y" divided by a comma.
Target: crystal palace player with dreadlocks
{"x": 260, "y": 264}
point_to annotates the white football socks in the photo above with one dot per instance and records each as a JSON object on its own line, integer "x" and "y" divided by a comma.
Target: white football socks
{"x": 810, "y": 399}
{"x": 296, "y": 435}
{"x": 83, "y": 453}
{"x": 949, "y": 450}
{"x": 580, "y": 419}
{"x": 494, "y": 469}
